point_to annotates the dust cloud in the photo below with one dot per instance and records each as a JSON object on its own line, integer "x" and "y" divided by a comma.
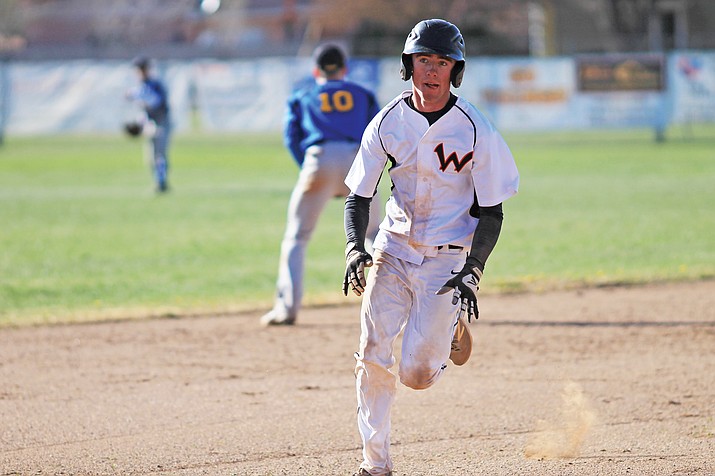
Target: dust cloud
{"x": 563, "y": 437}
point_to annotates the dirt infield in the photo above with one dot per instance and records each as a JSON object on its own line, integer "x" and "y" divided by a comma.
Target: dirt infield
{"x": 609, "y": 381}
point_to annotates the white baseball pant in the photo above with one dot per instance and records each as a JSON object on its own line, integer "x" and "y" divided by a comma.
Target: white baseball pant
{"x": 401, "y": 296}
{"x": 322, "y": 177}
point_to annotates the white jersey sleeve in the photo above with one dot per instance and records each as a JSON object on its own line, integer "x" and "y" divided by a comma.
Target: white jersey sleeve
{"x": 371, "y": 158}
{"x": 494, "y": 171}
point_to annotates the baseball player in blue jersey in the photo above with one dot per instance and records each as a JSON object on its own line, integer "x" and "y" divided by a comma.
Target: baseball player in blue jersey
{"x": 152, "y": 97}
{"x": 450, "y": 170}
{"x": 323, "y": 127}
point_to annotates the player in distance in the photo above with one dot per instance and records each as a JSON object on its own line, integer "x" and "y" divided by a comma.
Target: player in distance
{"x": 323, "y": 126}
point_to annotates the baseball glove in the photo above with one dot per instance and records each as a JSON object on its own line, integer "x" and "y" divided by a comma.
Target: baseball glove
{"x": 133, "y": 129}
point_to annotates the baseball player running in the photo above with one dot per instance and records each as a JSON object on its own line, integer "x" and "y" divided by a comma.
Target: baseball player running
{"x": 151, "y": 95}
{"x": 451, "y": 170}
{"x": 323, "y": 126}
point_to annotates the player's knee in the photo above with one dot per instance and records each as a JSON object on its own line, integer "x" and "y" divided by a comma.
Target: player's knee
{"x": 374, "y": 373}
{"x": 417, "y": 375}
{"x": 294, "y": 241}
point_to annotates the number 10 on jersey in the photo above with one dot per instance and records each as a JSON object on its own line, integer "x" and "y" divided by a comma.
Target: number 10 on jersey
{"x": 336, "y": 101}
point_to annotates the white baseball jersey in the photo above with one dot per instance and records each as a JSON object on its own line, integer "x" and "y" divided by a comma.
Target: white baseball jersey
{"x": 435, "y": 171}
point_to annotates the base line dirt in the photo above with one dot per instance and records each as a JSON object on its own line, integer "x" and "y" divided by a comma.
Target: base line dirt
{"x": 607, "y": 381}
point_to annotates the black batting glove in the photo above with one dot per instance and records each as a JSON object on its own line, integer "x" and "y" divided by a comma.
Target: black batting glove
{"x": 356, "y": 260}
{"x": 465, "y": 285}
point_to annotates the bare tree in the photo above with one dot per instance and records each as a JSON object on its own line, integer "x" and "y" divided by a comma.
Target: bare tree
{"x": 10, "y": 18}
{"x": 379, "y": 27}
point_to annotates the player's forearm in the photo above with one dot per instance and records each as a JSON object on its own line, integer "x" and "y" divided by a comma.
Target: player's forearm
{"x": 485, "y": 236}
{"x": 357, "y": 217}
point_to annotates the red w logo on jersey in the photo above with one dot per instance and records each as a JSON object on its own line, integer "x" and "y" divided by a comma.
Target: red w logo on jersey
{"x": 453, "y": 158}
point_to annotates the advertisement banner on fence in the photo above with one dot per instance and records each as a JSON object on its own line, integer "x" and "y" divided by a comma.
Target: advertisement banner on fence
{"x": 571, "y": 93}
{"x": 693, "y": 87}
{"x": 621, "y": 90}
{"x": 619, "y": 73}
{"x": 522, "y": 94}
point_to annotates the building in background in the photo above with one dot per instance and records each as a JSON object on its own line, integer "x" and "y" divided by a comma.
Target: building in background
{"x": 596, "y": 26}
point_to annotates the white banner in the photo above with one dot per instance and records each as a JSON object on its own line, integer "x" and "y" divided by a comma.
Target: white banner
{"x": 48, "y": 98}
{"x": 82, "y": 97}
{"x": 245, "y": 96}
{"x": 250, "y": 95}
{"x": 692, "y": 78}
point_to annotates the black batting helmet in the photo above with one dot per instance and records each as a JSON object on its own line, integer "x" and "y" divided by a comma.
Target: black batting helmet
{"x": 437, "y": 37}
{"x": 329, "y": 58}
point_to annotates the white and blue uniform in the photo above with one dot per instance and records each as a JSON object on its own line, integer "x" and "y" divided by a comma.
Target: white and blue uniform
{"x": 435, "y": 171}
{"x": 151, "y": 95}
{"x": 323, "y": 127}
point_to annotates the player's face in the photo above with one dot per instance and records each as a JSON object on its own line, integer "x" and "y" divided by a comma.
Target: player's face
{"x": 431, "y": 80}
{"x": 143, "y": 73}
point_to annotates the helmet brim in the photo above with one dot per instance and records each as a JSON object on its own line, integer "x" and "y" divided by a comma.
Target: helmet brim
{"x": 426, "y": 50}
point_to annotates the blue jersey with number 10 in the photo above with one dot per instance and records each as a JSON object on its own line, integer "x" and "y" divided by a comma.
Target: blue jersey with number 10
{"x": 337, "y": 110}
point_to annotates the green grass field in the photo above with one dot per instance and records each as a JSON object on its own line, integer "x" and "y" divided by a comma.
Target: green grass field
{"x": 83, "y": 236}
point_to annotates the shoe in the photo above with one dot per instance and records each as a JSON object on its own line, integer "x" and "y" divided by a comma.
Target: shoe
{"x": 363, "y": 472}
{"x": 461, "y": 343}
{"x": 275, "y": 318}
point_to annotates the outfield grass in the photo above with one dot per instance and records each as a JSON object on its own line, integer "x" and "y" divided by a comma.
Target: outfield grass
{"x": 83, "y": 236}
{"x": 609, "y": 208}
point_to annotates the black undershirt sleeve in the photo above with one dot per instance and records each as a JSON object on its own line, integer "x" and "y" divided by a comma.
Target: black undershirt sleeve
{"x": 357, "y": 217}
{"x": 486, "y": 235}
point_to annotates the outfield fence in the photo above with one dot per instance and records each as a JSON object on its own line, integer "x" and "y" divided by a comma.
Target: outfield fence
{"x": 237, "y": 96}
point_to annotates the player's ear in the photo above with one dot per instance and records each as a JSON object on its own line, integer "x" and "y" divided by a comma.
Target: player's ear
{"x": 406, "y": 67}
